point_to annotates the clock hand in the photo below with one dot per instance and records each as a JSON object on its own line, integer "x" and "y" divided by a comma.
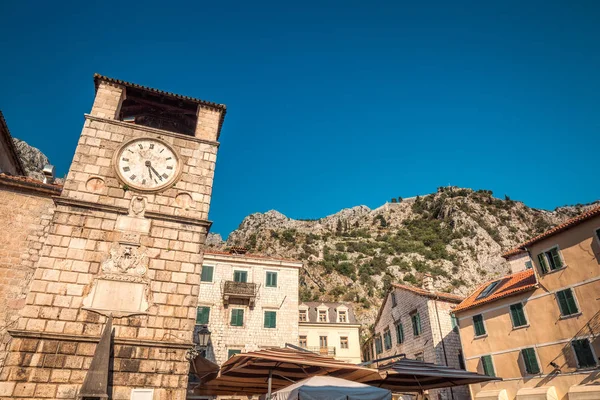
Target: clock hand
{"x": 149, "y": 172}
{"x": 157, "y": 174}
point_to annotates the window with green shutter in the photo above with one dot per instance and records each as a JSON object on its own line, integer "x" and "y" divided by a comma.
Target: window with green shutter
{"x": 237, "y": 317}
{"x": 542, "y": 262}
{"x": 554, "y": 259}
{"x": 478, "y": 325}
{"x": 271, "y": 279}
{"x": 584, "y": 354}
{"x": 488, "y": 366}
{"x": 416, "y": 323}
{"x": 387, "y": 339}
{"x": 528, "y": 265}
{"x": 530, "y": 361}
{"x": 202, "y": 315}
{"x": 399, "y": 333}
{"x": 270, "y": 319}
{"x": 240, "y": 276}
{"x": 378, "y": 345}
{"x": 207, "y": 273}
{"x": 232, "y": 352}
{"x": 566, "y": 302}
{"x": 517, "y": 315}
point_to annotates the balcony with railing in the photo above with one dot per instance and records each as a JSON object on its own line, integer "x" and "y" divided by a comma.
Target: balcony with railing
{"x": 239, "y": 293}
{"x": 324, "y": 351}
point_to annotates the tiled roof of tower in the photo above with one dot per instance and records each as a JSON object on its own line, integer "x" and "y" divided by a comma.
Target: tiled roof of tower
{"x": 452, "y": 298}
{"x": 557, "y": 229}
{"x": 248, "y": 255}
{"x": 30, "y": 183}
{"x": 98, "y": 77}
{"x": 509, "y": 285}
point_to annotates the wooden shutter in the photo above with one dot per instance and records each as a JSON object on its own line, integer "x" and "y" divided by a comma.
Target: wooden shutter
{"x": 518, "y": 315}
{"x": 543, "y": 264}
{"x": 478, "y": 325}
{"x": 530, "y": 361}
{"x": 399, "y": 333}
{"x": 488, "y": 366}
{"x": 566, "y": 302}
{"x": 557, "y": 261}
{"x": 270, "y": 319}
{"x": 207, "y": 273}
{"x": 202, "y": 315}
{"x": 237, "y": 317}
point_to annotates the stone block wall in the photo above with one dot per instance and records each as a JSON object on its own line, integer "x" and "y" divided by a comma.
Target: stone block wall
{"x": 282, "y": 299}
{"x": 25, "y": 215}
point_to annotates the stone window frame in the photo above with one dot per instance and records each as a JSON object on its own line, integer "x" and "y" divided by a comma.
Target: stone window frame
{"x": 267, "y": 272}
{"x": 301, "y": 338}
{"x": 545, "y": 267}
{"x": 213, "y": 266}
{"x": 271, "y": 312}
{"x": 305, "y": 313}
{"x": 238, "y": 269}
{"x": 344, "y": 342}
{"x": 342, "y": 309}
{"x": 323, "y": 308}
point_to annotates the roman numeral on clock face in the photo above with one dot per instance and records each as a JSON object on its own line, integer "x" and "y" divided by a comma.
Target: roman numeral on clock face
{"x": 132, "y": 177}
{"x": 126, "y": 169}
{"x": 165, "y": 176}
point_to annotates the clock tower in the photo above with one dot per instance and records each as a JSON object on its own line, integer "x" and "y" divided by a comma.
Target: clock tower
{"x": 111, "y": 308}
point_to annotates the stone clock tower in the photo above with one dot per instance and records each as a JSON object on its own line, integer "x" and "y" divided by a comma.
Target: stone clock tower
{"x": 124, "y": 248}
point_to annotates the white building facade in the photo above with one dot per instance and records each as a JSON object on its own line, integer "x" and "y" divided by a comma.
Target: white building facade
{"x": 248, "y": 302}
{"x": 329, "y": 329}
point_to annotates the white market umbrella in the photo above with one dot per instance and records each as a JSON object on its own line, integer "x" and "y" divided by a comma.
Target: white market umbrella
{"x": 331, "y": 388}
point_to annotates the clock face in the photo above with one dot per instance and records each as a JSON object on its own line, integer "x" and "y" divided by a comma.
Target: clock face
{"x": 147, "y": 164}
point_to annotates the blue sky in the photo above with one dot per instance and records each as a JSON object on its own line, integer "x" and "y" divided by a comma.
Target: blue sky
{"x": 333, "y": 104}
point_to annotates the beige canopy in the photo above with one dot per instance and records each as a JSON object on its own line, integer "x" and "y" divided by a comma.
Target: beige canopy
{"x": 250, "y": 373}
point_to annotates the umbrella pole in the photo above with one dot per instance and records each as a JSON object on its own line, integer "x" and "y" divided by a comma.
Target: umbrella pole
{"x": 269, "y": 384}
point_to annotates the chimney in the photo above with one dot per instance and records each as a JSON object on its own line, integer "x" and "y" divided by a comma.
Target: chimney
{"x": 428, "y": 282}
{"x": 48, "y": 172}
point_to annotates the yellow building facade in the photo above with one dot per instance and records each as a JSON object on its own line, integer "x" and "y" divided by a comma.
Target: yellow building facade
{"x": 538, "y": 328}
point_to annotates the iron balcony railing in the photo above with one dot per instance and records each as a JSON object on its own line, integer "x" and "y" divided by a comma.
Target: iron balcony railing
{"x": 324, "y": 351}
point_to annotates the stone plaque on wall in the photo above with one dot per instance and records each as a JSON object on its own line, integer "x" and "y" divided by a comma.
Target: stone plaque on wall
{"x": 117, "y": 297}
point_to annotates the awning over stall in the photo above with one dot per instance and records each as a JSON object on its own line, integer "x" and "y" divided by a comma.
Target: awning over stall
{"x": 584, "y": 392}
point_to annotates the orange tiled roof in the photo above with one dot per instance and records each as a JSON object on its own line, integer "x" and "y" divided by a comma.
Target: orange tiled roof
{"x": 510, "y": 285}
{"x": 453, "y": 298}
{"x": 559, "y": 228}
{"x": 30, "y": 182}
{"x": 248, "y": 255}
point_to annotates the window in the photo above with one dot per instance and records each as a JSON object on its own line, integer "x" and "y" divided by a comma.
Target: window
{"x": 207, "y": 273}
{"x": 302, "y": 341}
{"x": 528, "y": 265}
{"x": 240, "y": 276}
{"x": 232, "y": 352}
{"x": 598, "y": 234}
{"x": 393, "y": 295}
{"x": 202, "y": 315}
{"x": 271, "y": 279}
{"x": 488, "y": 366}
{"x": 583, "y": 353}
{"x": 303, "y": 316}
{"x": 530, "y": 361}
{"x": 517, "y": 315}
{"x": 478, "y": 325}
{"x": 416, "y": 324}
{"x": 550, "y": 260}
{"x": 270, "y": 319}
{"x": 237, "y": 317}
{"x": 387, "y": 339}
{"x": 488, "y": 290}
{"x": 378, "y": 345}
{"x": 323, "y": 342}
{"x": 419, "y": 356}
{"x": 322, "y": 316}
{"x": 454, "y": 322}
{"x": 342, "y": 316}
{"x": 399, "y": 333}
{"x": 566, "y": 302}
{"x": 343, "y": 342}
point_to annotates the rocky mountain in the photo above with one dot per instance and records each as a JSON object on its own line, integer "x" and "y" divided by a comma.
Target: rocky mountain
{"x": 457, "y": 235}
{"x": 32, "y": 158}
